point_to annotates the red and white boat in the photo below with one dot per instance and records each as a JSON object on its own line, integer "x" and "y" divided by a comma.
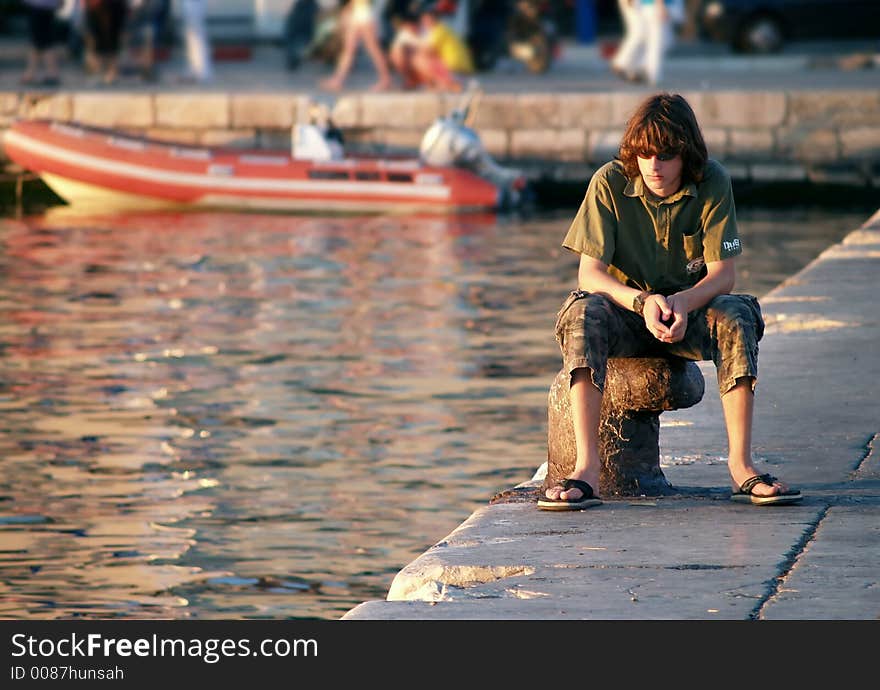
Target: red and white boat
{"x": 87, "y": 165}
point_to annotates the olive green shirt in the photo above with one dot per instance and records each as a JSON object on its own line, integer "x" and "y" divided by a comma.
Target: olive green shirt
{"x": 653, "y": 243}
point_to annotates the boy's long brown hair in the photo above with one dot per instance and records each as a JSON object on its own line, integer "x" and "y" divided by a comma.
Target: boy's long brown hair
{"x": 664, "y": 123}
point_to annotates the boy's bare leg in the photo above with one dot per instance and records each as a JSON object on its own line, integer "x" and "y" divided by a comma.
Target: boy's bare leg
{"x": 738, "y": 405}
{"x": 586, "y": 403}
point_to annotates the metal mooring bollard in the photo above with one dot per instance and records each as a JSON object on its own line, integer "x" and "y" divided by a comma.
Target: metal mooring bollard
{"x": 637, "y": 390}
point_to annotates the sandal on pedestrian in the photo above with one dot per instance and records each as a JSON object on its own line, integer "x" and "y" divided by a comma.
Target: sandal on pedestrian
{"x": 587, "y": 500}
{"x": 745, "y": 495}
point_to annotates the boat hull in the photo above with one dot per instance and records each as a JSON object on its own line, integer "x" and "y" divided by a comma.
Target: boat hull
{"x": 90, "y": 166}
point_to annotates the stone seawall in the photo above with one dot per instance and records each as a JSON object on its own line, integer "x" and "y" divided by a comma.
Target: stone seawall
{"x": 696, "y": 555}
{"x": 823, "y": 136}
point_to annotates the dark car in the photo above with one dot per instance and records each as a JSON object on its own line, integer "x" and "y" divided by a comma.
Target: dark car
{"x": 763, "y": 26}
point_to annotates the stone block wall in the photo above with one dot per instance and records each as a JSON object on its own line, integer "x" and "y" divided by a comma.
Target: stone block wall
{"x": 823, "y": 136}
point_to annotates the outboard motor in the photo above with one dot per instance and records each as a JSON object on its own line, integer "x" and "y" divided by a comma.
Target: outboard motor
{"x": 450, "y": 142}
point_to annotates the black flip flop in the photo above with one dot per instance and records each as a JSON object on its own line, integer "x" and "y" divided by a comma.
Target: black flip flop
{"x": 588, "y": 500}
{"x": 745, "y": 495}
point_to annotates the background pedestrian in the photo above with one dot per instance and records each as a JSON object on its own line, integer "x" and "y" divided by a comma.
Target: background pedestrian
{"x": 42, "y": 60}
{"x": 200, "y": 67}
{"x": 105, "y": 20}
{"x": 359, "y": 27}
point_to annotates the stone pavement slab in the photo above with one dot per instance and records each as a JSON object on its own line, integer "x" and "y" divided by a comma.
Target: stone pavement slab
{"x": 836, "y": 576}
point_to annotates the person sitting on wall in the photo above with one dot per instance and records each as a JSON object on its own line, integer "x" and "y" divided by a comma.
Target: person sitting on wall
{"x": 405, "y": 47}
{"x": 444, "y": 57}
{"x": 657, "y": 239}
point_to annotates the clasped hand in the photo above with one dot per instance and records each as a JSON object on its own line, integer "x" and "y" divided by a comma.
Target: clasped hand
{"x": 666, "y": 317}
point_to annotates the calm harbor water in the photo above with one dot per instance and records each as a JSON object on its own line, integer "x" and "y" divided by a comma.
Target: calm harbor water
{"x": 261, "y": 416}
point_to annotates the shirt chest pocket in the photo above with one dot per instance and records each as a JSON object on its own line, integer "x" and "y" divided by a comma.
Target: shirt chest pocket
{"x": 693, "y": 251}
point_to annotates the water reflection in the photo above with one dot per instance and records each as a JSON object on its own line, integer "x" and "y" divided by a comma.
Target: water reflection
{"x": 235, "y": 416}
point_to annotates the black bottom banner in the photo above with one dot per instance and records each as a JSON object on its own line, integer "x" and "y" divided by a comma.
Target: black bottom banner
{"x": 168, "y": 654}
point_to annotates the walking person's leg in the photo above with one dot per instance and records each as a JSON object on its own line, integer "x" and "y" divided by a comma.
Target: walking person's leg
{"x": 29, "y": 77}
{"x": 198, "y": 52}
{"x": 50, "y": 66}
{"x": 371, "y": 43}
{"x": 345, "y": 60}
{"x": 658, "y": 40}
{"x": 99, "y": 38}
{"x": 40, "y": 55}
{"x": 113, "y": 17}
{"x": 205, "y": 65}
{"x": 626, "y": 60}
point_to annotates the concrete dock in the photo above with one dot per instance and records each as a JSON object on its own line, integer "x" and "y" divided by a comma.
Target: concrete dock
{"x": 697, "y": 555}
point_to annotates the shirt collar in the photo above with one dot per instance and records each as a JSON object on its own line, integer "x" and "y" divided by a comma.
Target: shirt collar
{"x": 636, "y": 187}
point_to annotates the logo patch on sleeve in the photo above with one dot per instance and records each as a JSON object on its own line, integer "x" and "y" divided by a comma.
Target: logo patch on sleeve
{"x": 730, "y": 246}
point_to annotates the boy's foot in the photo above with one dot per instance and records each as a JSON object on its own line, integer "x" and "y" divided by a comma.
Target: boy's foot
{"x": 574, "y": 489}
{"x": 760, "y": 489}
{"x": 569, "y": 494}
{"x": 780, "y": 494}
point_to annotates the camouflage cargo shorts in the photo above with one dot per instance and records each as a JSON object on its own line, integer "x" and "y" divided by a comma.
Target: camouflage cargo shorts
{"x": 590, "y": 328}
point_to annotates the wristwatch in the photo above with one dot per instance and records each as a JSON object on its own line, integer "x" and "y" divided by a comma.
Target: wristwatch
{"x": 639, "y": 301}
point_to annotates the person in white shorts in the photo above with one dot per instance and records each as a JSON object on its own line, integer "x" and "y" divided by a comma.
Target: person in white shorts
{"x": 360, "y": 26}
